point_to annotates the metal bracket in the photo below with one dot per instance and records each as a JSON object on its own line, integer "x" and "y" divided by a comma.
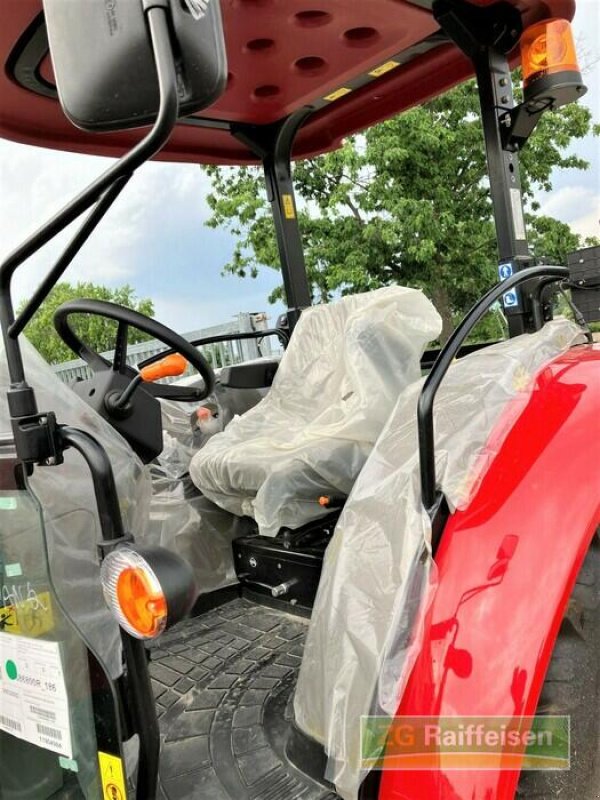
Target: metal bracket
{"x": 545, "y": 94}
{"x": 475, "y": 29}
{"x": 517, "y": 124}
{"x": 37, "y": 439}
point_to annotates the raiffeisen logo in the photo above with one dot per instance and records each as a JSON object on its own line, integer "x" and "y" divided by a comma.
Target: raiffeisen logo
{"x": 507, "y": 743}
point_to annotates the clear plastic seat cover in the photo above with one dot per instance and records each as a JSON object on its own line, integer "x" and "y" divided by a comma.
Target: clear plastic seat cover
{"x": 337, "y": 383}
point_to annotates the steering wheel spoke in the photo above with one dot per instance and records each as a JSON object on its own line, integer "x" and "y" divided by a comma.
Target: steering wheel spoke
{"x": 95, "y": 361}
{"x": 120, "y": 356}
{"x": 184, "y": 394}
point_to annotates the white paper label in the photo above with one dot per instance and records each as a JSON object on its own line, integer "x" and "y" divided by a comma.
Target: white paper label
{"x": 519, "y": 219}
{"x": 33, "y": 695}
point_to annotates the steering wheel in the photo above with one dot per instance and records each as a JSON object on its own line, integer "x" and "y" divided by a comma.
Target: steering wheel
{"x": 127, "y": 318}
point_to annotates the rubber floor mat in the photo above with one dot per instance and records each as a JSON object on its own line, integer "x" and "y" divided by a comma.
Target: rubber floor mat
{"x": 224, "y": 684}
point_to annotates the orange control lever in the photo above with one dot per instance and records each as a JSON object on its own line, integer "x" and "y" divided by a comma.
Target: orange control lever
{"x": 169, "y": 367}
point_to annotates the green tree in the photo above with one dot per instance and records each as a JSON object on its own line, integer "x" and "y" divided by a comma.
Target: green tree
{"x": 406, "y": 202}
{"x": 97, "y": 332}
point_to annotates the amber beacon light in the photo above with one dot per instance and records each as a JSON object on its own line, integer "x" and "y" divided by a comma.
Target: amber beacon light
{"x": 551, "y": 74}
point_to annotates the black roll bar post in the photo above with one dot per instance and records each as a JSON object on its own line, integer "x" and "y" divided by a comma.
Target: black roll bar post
{"x": 495, "y": 93}
{"x": 273, "y": 145}
{"x": 487, "y": 36}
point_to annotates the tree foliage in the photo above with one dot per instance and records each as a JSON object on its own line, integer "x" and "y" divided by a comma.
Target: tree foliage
{"x": 97, "y": 332}
{"x": 406, "y": 202}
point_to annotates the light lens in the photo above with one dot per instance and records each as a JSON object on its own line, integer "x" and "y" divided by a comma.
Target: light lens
{"x": 547, "y": 48}
{"x": 134, "y": 594}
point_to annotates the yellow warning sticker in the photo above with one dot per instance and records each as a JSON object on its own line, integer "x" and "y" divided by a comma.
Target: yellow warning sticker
{"x": 25, "y": 613}
{"x": 381, "y": 70}
{"x": 289, "y": 210}
{"x": 113, "y": 779}
{"x": 337, "y": 94}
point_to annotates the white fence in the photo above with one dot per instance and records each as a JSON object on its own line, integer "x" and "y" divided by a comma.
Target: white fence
{"x": 220, "y": 354}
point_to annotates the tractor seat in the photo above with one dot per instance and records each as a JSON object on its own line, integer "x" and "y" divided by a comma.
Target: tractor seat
{"x": 338, "y": 381}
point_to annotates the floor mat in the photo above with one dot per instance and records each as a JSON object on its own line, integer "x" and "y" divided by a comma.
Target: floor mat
{"x": 223, "y": 684}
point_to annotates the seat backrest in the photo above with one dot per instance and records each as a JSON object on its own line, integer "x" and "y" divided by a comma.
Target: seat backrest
{"x": 348, "y": 361}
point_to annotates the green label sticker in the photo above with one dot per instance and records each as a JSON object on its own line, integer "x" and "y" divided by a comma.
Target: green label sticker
{"x": 8, "y": 503}
{"x": 13, "y": 570}
{"x": 68, "y": 763}
{"x": 11, "y": 670}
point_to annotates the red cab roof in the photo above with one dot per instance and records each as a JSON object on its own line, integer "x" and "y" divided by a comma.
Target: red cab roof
{"x": 355, "y": 62}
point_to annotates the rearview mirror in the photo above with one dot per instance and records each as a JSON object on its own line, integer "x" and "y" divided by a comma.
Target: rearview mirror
{"x": 103, "y": 62}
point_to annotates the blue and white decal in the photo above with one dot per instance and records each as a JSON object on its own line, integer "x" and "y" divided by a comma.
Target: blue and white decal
{"x": 510, "y": 299}
{"x": 506, "y": 270}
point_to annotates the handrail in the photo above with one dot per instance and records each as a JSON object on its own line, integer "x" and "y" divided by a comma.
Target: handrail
{"x": 442, "y": 364}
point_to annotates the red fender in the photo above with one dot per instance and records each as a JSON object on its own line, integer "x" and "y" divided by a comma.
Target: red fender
{"x": 539, "y": 504}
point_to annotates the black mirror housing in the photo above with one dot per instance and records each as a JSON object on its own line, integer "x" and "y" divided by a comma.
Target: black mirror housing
{"x": 104, "y": 67}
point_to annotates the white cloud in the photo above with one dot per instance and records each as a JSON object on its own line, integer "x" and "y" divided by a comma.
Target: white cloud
{"x": 37, "y": 183}
{"x": 569, "y": 203}
{"x": 577, "y": 206}
{"x": 589, "y": 224}
{"x": 186, "y": 315}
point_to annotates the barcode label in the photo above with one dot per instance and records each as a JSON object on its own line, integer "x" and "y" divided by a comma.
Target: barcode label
{"x": 49, "y": 716}
{"x": 51, "y": 733}
{"x": 12, "y": 724}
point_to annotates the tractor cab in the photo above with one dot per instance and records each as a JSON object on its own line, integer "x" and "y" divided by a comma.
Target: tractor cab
{"x": 209, "y": 587}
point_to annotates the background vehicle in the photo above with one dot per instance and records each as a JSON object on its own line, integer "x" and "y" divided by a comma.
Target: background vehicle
{"x": 224, "y": 679}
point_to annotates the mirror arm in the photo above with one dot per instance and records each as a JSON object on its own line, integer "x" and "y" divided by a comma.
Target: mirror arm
{"x": 74, "y": 246}
{"x": 166, "y": 119}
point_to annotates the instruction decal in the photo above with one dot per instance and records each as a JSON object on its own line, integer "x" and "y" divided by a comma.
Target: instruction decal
{"x": 33, "y": 696}
{"x": 338, "y": 94}
{"x": 112, "y": 776}
{"x": 384, "y": 69}
{"x": 289, "y": 210}
{"x": 505, "y": 270}
{"x": 511, "y": 299}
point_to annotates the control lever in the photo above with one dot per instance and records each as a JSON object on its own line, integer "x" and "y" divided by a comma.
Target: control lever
{"x": 276, "y": 591}
{"x": 172, "y": 366}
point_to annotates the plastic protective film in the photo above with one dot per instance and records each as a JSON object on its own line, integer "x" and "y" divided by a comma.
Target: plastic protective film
{"x": 378, "y": 564}
{"x": 67, "y": 499}
{"x": 181, "y": 519}
{"x": 346, "y": 364}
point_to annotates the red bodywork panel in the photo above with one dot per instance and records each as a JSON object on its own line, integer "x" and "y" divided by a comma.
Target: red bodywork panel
{"x": 282, "y": 56}
{"x": 543, "y": 491}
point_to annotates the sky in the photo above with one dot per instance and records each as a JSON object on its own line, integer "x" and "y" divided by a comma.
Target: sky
{"x": 155, "y": 239}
